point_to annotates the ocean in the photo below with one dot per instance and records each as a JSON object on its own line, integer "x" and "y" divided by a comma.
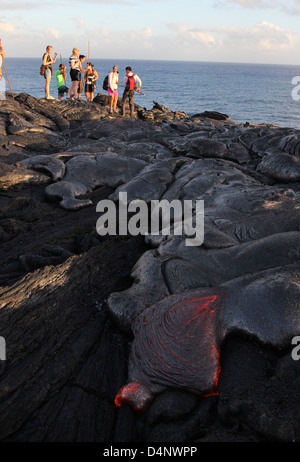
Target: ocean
{"x": 255, "y": 93}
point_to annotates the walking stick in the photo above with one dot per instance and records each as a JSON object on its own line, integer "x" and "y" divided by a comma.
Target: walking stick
{"x": 6, "y": 72}
{"x": 140, "y": 93}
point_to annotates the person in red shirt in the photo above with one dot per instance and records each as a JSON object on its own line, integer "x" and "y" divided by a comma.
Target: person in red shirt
{"x": 132, "y": 83}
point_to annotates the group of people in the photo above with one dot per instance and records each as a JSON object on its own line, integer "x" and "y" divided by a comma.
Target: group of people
{"x": 76, "y": 88}
{"x": 132, "y": 82}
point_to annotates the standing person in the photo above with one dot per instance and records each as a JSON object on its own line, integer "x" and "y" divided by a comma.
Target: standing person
{"x": 112, "y": 88}
{"x": 132, "y": 83}
{"x": 2, "y": 55}
{"x": 74, "y": 73}
{"x": 61, "y": 81}
{"x": 90, "y": 78}
{"x": 47, "y": 62}
{"x": 80, "y": 86}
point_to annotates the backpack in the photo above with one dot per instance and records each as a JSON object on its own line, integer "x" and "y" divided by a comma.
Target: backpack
{"x": 43, "y": 68}
{"x": 131, "y": 84}
{"x": 105, "y": 83}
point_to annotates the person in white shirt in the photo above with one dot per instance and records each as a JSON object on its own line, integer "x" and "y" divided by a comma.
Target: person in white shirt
{"x": 132, "y": 83}
{"x": 112, "y": 88}
{"x": 75, "y": 73}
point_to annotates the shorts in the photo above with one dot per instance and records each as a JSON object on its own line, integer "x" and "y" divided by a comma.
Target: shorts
{"x": 61, "y": 90}
{"x": 75, "y": 75}
{"x": 89, "y": 88}
{"x": 112, "y": 92}
{"x": 128, "y": 94}
{"x": 48, "y": 72}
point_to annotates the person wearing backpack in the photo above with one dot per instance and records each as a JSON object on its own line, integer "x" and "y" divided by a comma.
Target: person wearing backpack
{"x": 132, "y": 83}
{"x": 48, "y": 70}
{"x": 112, "y": 88}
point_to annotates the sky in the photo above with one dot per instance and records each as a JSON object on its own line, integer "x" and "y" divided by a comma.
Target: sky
{"x": 241, "y": 31}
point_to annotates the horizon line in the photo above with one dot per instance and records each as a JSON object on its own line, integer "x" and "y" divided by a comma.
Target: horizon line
{"x": 169, "y": 60}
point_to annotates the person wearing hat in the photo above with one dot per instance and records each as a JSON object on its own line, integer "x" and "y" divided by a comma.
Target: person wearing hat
{"x": 90, "y": 78}
{"x": 112, "y": 89}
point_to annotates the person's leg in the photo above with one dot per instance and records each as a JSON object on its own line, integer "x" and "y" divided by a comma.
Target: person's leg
{"x": 61, "y": 91}
{"x": 47, "y": 85}
{"x": 71, "y": 90}
{"x": 80, "y": 89}
{"x": 76, "y": 83}
{"x": 131, "y": 103}
{"x": 115, "y": 103}
{"x": 48, "y": 79}
{"x": 111, "y": 102}
{"x": 69, "y": 95}
{"x": 125, "y": 94}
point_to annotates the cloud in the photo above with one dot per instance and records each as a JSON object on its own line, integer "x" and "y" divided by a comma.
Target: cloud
{"x": 106, "y": 43}
{"x": 255, "y": 3}
{"x": 131, "y": 39}
{"x": 80, "y": 22}
{"x": 7, "y": 27}
{"x": 291, "y": 7}
{"x": 52, "y": 33}
{"x": 21, "y": 5}
{"x": 264, "y": 41}
{"x": 263, "y": 36}
{"x": 103, "y": 2}
{"x": 190, "y": 34}
{"x": 34, "y": 5}
{"x": 272, "y": 37}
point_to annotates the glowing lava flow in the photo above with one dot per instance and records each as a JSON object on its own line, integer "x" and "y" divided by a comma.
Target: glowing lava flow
{"x": 175, "y": 345}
